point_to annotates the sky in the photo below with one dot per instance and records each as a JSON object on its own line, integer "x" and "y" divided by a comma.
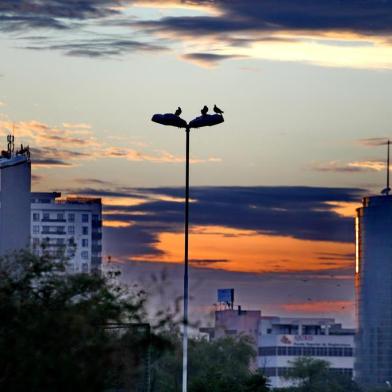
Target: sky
{"x": 305, "y": 87}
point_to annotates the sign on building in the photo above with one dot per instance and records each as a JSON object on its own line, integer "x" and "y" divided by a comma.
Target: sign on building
{"x": 226, "y": 296}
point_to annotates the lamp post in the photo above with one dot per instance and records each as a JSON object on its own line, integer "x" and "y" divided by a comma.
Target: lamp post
{"x": 176, "y": 121}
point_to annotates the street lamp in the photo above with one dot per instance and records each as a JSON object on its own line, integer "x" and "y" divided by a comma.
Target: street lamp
{"x": 205, "y": 120}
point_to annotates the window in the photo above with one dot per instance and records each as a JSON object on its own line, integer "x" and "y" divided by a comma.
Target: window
{"x": 60, "y": 216}
{"x": 60, "y": 241}
{"x": 84, "y": 243}
{"x": 71, "y": 229}
{"x": 35, "y": 216}
{"x": 70, "y": 252}
{"x": 46, "y": 215}
{"x": 35, "y": 229}
{"x": 71, "y": 217}
{"x": 35, "y": 241}
{"x": 84, "y": 255}
{"x": 85, "y": 230}
{"x": 84, "y": 267}
{"x": 84, "y": 218}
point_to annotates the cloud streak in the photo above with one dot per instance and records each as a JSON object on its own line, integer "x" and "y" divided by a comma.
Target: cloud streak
{"x": 334, "y": 33}
{"x": 350, "y": 167}
{"x": 79, "y": 144}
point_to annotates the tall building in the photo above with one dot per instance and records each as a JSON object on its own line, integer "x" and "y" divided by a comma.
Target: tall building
{"x": 15, "y": 184}
{"x": 374, "y": 291}
{"x": 68, "y": 227}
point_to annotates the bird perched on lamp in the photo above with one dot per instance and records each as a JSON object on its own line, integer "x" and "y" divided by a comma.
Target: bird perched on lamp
{"x": 217, "y": 110}
{"x": 178, "y": 111}
{"x": 204, "y": 111}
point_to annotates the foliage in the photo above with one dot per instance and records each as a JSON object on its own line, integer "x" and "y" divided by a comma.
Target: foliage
{"x": 54, "y": 332}
{"x": 218, "y": 366}
{"x": 314, "y": 375}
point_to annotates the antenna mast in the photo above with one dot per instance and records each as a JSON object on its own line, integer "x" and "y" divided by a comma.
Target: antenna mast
{"x": 388, "y": 188}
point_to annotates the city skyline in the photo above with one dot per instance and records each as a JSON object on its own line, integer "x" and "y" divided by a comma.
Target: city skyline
{"x": 306, "y": 104}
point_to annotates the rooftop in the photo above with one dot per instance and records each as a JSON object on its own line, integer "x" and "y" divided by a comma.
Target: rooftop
{"x": 55, "y": 198}
{"x": 12, "y": 161}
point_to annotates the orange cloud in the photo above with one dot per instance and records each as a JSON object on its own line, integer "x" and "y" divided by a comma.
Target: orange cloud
{"x": 74, "y": 142}
{"x": 114, "y": 223}
{"x": 249, "y": 251}
{"x": 319, "y": 307}
{"x": 344, "y": 209}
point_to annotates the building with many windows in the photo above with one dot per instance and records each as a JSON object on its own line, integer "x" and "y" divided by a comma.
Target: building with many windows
{"x": 15, "y": 183}
{"x": 68, "y": 227}
{"x": 279, "y": 340}
{"x": 282, "y": 339}
{"x": 373, "y": 365}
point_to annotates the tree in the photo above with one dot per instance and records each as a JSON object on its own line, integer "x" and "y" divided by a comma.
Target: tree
{"x": 218, "y": 366}
{"x": 54, "y": 333}
{"x": 314, "y": 375}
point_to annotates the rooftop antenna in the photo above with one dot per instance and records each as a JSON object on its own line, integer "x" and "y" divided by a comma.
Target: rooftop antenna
{"x": 386, "y": 190}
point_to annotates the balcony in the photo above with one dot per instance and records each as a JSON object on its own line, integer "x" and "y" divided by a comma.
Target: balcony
{"x": 53, "y": 232}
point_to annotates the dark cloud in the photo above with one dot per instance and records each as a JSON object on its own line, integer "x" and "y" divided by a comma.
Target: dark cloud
{"x": 23, "y": 23}
{"x": 336, "y": 256}
{"x": 99, "y": 47}
{"x": 240, "y": 16}
{"x": 93, "y": 181}
{"x": 208, "y": 58}
{"x": 364, "y": 17}
{"x": 299, "y": 212}
{"x": 206, "y": 262}
{"x": 238, "y": 22}
{"x": 50, "y": 156}
{"x": 51, "y": 14}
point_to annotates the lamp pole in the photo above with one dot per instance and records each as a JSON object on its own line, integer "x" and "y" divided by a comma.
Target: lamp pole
{"x": 186, "y": 267}
{"x": 198, "y": 122}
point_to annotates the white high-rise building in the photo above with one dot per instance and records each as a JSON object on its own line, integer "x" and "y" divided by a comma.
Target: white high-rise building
{"x": 15, "y": 184}
{"x": 68, "y": 227}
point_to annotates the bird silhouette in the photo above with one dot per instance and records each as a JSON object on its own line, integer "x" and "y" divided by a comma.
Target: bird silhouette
{"x": 178, "y": 111}
{"x": 204, "y": 111}
{"x": 217, "y": 110}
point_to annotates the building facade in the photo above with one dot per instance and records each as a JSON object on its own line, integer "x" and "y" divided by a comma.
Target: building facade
{"x": 373, "y": 364}
{"x": 232, "y": 322}
{"x": 69, "y": 228}
{"x": 15, "y": 184}
{"x": 282, "y": 339}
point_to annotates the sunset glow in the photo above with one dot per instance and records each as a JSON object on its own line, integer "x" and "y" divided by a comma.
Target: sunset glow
{"x": 247, "y": 251}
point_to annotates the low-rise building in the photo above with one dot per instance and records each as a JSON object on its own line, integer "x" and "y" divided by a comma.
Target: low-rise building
{"x": 282, "y": 339}
{"x": 68, "y": 227}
